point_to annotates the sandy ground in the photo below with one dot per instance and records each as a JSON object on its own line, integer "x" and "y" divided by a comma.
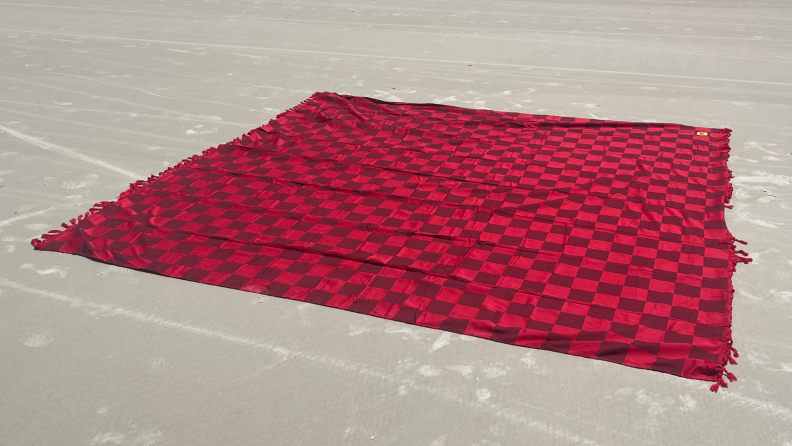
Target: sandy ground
{"x": 94, "y": 95}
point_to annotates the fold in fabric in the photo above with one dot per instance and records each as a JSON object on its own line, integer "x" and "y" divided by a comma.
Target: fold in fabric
{"x": 594, "y": 238}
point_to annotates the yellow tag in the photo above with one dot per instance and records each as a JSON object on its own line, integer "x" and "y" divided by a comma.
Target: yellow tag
{"x": 702, "y": 133}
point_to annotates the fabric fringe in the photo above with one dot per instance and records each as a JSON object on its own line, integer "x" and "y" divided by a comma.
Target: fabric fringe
{"x": 303, "y": 102}
{"x": 736, "y": 256}
{"x": 40, "y": 243}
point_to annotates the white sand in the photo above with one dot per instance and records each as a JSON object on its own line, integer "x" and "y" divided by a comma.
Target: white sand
{"x": 95, "y": 93}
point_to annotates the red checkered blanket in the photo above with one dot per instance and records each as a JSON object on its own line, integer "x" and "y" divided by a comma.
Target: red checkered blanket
{"x": 594, "y": 238}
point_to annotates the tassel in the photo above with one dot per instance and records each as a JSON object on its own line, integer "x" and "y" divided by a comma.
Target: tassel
{"x": 729, "y": 358}
{"x": 38, "y": 243}
{"x": 731, "y": 376}
{"x": 714, "y": 388}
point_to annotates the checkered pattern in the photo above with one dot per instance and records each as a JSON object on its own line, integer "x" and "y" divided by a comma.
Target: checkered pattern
{"x": 594, "y": 238}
